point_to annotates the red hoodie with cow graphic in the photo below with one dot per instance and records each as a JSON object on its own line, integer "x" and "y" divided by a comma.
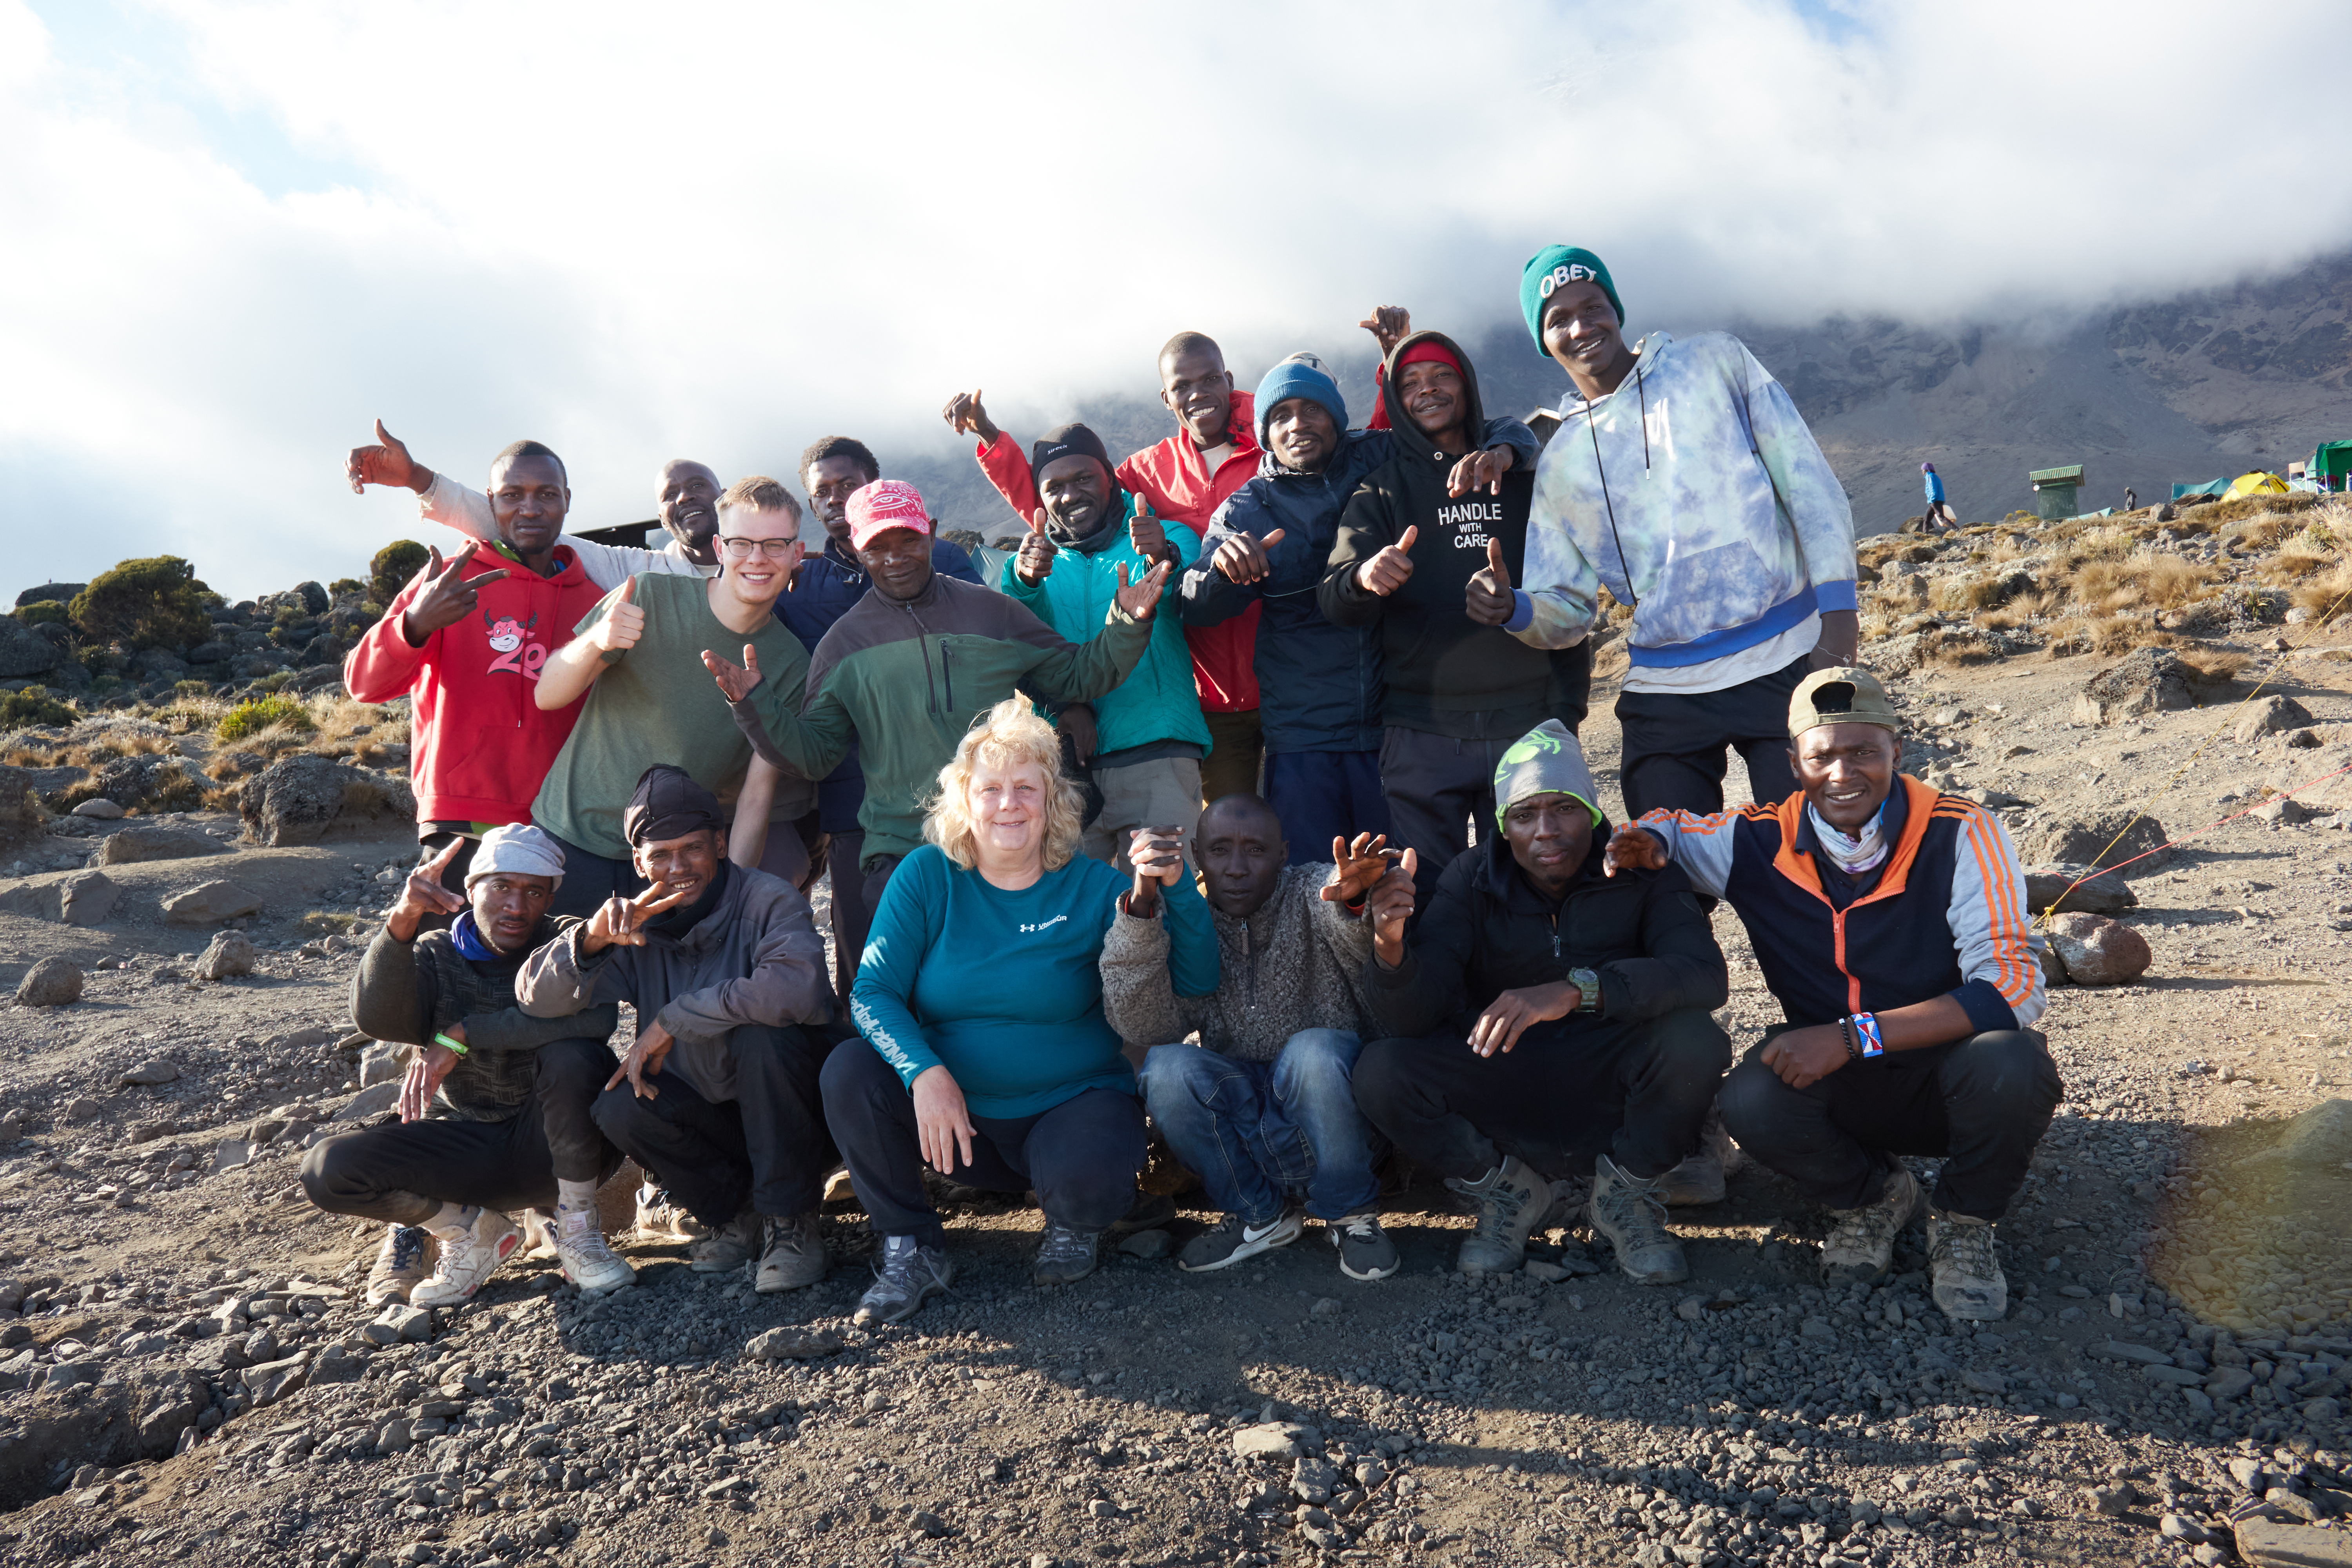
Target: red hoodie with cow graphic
{"x": 480, "y": 747}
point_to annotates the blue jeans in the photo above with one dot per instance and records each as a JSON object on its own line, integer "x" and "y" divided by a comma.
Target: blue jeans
{"x": 1258, "y": 1132}
{"x": 1321, "y": 795}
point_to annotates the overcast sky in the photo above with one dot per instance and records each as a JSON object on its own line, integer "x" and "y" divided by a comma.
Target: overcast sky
{"x": 236, "y": 232}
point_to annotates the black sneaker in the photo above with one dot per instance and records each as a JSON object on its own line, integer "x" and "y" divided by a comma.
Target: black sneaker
{"x": 1065, "y": 1256}
{"x": 1230, "y": 1241}
{"x": 905, "y": 1276}
{"x": 1365, "y": 1250}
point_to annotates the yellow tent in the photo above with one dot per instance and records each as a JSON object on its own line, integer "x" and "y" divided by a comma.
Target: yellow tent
{"x": 2258, "y": 483}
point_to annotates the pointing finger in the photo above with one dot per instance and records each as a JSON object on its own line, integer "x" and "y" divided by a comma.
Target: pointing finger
{"x": 487, "y": 577}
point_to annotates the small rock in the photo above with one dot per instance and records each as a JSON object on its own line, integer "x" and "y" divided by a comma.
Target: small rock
{"x": 1314, "y": 1480}
{"x": 1515, "y": 1304}
{"x": 2269, "y": 716}
{"x": 52, "y": 982}
{"x": 382, "y": 1062}
{"x": 1549, "y": 1273}
{"x": 1145, "y": 1244}
{"x": 2149, "y": 681}
{"x": 2140, "y": 1356}
{"x": 875, "y": 1403}
{"x": 2174, "y": 1527}
{"x": 2228, "y": 1383}
{"x": 373, "y": 1100}
{"x": 98, "y": 808}
{"x": 789, "y": 1344}
{"x": 932, "y": 1526}
{"x": 1326, "y": 1307}
{"x": 1691, "y": 1309}
{"x": 1819, "y": 1330}
{"x": 229, "y": 955}
{"x": 231, "y": 1152}
{"x": 82, "y": 1108}
{"x": 414, "y": 1325}
{"x": 1984, "y": 1382}
{"x": 2249, "y": 1473}
{"x": 87, "y": 898}
{"x": 153, "y": 1072}
{"x": 2096, "y": 950}
{"x": 2100, "y": 839}
{"x": 2109, "y": 1500}
{"x": 1102, "y": 1507}
{"x": 1270, "y": 1440}
{"x": 2071, "y": 888}
{"x": 272, "y": 1381}
{"x": 209, "y": 903}
{"x": 2269, "y": 1544}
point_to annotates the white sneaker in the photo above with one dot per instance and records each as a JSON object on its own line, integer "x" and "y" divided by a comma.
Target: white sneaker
{"x": 588, "y": 1260}
{"x": 467, "y": 1259}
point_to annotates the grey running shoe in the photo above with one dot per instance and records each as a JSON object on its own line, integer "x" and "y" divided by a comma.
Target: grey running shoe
{"x": 728, "y": 1247}
{"x": 399, "y": 1264}
{"x": 1232, "y": 1240}
{"x": 1365, "y": 1250}
{"x": 1632, "y": 1213}
{"x": 1512, "y": 1203}
{"x": 907, "y": 1275}
{"x": 792, "y": 1255}
{"x": 1066, "y": 1255}
{"x": 1860, "y": 1249}
{"x": 1968, "y": 1282}
{"x": 587, "y": 1259}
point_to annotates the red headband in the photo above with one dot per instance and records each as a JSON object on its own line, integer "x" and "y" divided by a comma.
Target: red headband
{"x": 1429, "y": 351}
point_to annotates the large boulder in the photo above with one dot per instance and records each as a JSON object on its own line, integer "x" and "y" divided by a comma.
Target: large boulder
{"x": 2071, "y": 888}
{"x": 230, "y": 954}
{"x": 84, "y": 899}
{"x": 2319, "y": 1139}
{"x": 209, "y": 903}
{"x": 2269, "y": 715}
{"x": 302, "y": 799}
{"x": 25, "y": 652}
{"x": 50, "y": 593}
{"x": 134, "y": 845}
{"x": 2149, "y": 681}
{"x": 151, "y": 781}
{"x": 2093, "y": 949}
{"x": 2100, "y": 840}
{"x": 52, "y": 982}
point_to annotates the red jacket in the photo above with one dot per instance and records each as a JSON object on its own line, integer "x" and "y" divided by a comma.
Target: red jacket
{"x": 480, "y": 747}
{"x": 1171, "y": 477}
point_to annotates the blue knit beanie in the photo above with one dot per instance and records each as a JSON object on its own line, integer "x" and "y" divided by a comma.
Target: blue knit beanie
{"x": 1300, "y": 375}
{"x": 1554, "y": 268}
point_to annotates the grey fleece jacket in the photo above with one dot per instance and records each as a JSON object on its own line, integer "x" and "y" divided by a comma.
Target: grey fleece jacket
{"x": 755, "y": 958}
{"x": 404, "y": 991}
{"x": 1297, "y": 963}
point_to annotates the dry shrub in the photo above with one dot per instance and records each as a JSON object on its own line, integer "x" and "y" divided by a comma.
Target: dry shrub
{"x": 2210, "y": 667}
{"x": 2277, "y": 511}
{"x": 2107, "y": 635}
{"x": 2327, "y": 595}
{"x": 2142, "y": 580}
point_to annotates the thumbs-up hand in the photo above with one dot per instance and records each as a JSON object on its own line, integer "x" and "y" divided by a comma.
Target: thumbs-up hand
{"x": 965, "y": 416}
{"x": 387, "y": 462}
{"x": 1481, "y": 470}
{"x": 624, "y": 622}
{"x": 1242, "y": 557}
{"x": 1387, "y": 572}
{"x": 1488, "y": 600}
{"x": 1035, "y": 562}
{"x": 1146, "y": 533}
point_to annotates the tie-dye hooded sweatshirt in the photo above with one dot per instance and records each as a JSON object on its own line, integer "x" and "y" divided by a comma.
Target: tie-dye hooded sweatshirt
{"x": 1696, "y": 493}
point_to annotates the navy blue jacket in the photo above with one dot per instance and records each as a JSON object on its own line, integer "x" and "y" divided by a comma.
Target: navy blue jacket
{"x": 1319, "y": 685}
{"x": 830, "y": 583}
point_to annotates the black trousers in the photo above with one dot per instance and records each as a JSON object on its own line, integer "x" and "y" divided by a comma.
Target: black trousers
{"x": 588, "y": 879}
{"x": 1638, "y": 1092}
{"x": 1436, "y": 786}
{"x": 852, "y": 908}
{"x": 1982, "y": 1103}
{"x": 767, "y": 1148}
{"x": 402, "y": 1172}
{"x": 1675, "y": 743}
{"x": 1080, "y": 1157}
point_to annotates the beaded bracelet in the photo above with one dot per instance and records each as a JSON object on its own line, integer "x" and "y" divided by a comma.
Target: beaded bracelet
{"x": 1865, "y": 1024}
{"x": 1845, "y": 1027}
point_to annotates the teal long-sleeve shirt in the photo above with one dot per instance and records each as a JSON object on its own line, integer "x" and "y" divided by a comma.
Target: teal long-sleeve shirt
{"x": 1004, "y": 989}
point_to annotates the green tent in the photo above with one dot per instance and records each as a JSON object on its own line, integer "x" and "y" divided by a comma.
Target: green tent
{"x": 2331, "y": 462}
{"x": 2211, "y": 488}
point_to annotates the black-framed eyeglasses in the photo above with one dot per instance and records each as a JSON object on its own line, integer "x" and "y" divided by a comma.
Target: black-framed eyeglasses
{"x": 773, "y": 549}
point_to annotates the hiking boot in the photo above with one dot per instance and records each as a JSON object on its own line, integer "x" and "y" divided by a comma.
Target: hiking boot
{"x": 1065, "y": 1256}
{"x": 1632, "y": 1212}
{"x": 1859, "y": 1248}
{"x": 1232, "y": 1241}
{"x": 792, "y": 1253}
{"x": 1512, "y": 1203}
{"x": 907, "y": 1275}
{"x": 658, "y": 1219}
{"x": 399, "y": 1264}
{"x": 1968, "y": 1283}
{"x": 587, "y": 1259}
{"x": 467, "y": 1259}
{"x": 1148, "y": 1212}
{"x": 1365, "y": 1250}
{"x": 728, "y": 1247}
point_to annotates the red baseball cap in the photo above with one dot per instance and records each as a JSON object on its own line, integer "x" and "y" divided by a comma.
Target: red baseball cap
{"x": 882, "y": 505}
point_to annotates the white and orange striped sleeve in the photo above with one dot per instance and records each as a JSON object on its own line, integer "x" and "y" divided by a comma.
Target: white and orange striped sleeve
{"x": 1992, "y": 929}
{"x": 1703, "y": 845}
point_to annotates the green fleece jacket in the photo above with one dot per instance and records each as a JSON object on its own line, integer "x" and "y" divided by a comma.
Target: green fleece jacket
{"x": 905, "y": 678}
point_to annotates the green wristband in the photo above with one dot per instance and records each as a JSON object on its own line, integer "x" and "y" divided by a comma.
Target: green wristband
{"x": 441, "y": 1039}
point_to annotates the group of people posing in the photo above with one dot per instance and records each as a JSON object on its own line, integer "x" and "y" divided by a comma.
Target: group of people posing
{"x": 1169, "y": 824}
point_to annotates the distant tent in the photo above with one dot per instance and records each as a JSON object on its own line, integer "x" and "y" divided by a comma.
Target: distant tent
{"x": 2330, "y": 464}
{"x": 2257, "y": 483}
{"x": 2210, "y": 488}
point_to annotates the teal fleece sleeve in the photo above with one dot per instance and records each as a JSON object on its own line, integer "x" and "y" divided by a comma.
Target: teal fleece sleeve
{"x": 1192, "y": 966}
{"x": 881, "y": 1000}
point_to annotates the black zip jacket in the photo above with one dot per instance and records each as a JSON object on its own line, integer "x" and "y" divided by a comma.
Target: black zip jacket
{"x": 1446, "y": 674}
{"x": 1487, "y": 930}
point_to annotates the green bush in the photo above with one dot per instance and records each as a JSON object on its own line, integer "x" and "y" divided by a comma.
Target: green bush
{"x": 259, "y": 713}
{"x": 152, "y": 602}
{"x": 342, "y": 586}
{"x": 394, "y": 565}
{"x": 19, "y": 708}
{"x": 42, "y": 613}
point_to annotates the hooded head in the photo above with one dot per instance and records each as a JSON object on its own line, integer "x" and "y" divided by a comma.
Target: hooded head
{"x": 1411, "y": 396}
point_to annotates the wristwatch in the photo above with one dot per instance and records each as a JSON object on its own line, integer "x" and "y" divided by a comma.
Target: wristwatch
{"x": 1588, "y": 987}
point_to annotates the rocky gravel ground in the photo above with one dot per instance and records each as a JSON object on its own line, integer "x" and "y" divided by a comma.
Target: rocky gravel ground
{"x": 185, "y": 1374}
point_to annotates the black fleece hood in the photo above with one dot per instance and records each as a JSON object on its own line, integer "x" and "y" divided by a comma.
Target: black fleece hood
{"x": 1401, "y": 426}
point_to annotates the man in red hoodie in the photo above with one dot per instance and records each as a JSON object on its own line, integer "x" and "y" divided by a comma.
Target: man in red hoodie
{"x": 1185, "y": 478}
{"x": 466, "y": 638}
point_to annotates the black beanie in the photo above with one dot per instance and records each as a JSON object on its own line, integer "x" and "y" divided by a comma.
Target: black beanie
{"x": 667, "y": 803}
{"x": 1067, "y": 441}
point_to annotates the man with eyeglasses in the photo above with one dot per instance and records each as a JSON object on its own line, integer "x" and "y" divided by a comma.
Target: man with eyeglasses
{"x": 638, "y": 655}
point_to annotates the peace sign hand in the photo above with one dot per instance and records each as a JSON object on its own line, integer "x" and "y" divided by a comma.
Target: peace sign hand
{"x": 621, "y": 923}
{"x": 449, "y": 596}
{"x": 735, "y": 681}
{"x": 1488, "y": 599}
{"x": 424, "y": 895}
